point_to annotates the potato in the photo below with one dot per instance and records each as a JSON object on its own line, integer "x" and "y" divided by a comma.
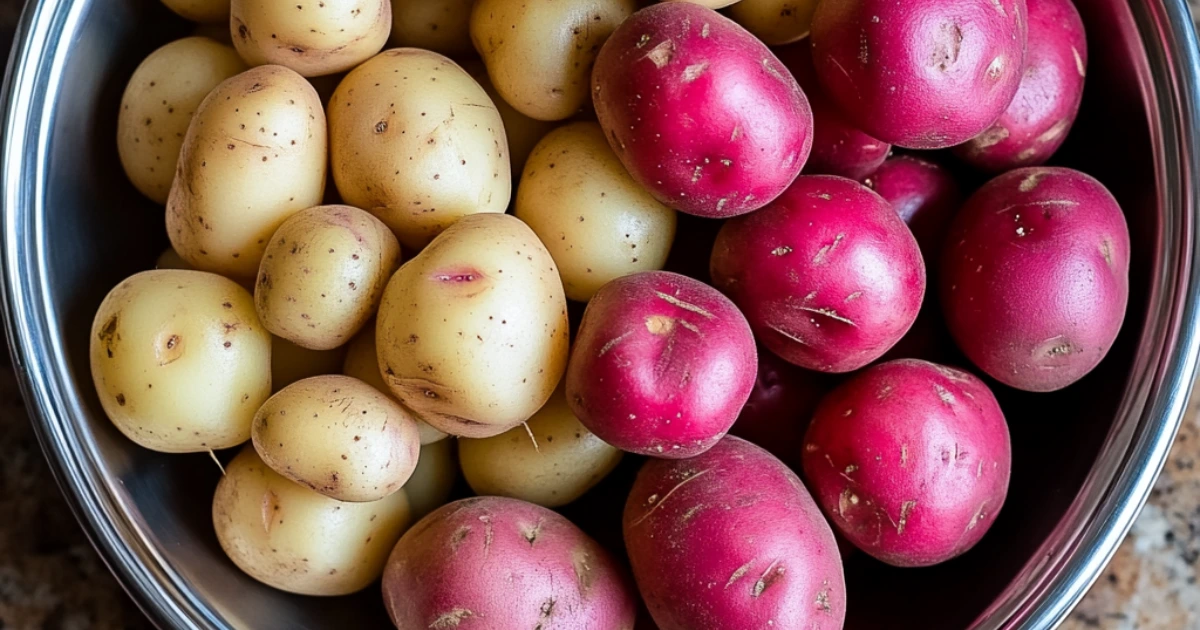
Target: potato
{"x": 159, "y": 100}
{"x": 539, "y": 53}
{"x": 417, "y": 142}
{"x": 339, "y": 436}
{"x": 170, "y": 259}
{"x": 216, "y": 31}
{"x": 312, "y": 37}
{"x": 522, "y": 132}
{"x": 205, "y": 11}
{"x": 253, "y": 156}
{"x": 712, "y": 4}
{"x": 290, "y": 363}
{"x": 433, "y": 480}
{"x": 323, "y": 274}
{"x": 297, "y": 540}
{"x": 180, "y": 361}
{"x": 473, "y": 332}
{"x": 362, "y": 362}
{"x": 442, "y": 26}
{"x": 596, "y": 221}
{"x": 775, "y": 22}
{"x": 564, "y": 462}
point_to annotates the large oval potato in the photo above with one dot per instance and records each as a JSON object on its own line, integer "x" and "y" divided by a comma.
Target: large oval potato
{"x": 297, "y": 540}
{"x": 323, "y": 274}
{"x": 442, "y": 26}
{"x": 551, "y": 461}
{"x": 291, "y": 363}
{"x": 180, "y": 360}
{"x": 539, "y": 53}
{"x": 339, "y": 436}
{"x": 417, "y": 142}
{"x": 362, "y": 362}
{"x": 522, "y": 132}
{"x": 431, "y": 483}
{"x": 203, "y": 11}
{"x": 253, "y": 156}
{"x": 159, "y": 100}
{"x": 775, "y": 22}
{"x": 473, "y": 332}
{"x": 312, "y": 37}
{"x": 596, "y": 221}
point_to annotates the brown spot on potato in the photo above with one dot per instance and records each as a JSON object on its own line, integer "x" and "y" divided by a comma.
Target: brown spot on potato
{"x": 107, "y": 335}
{"x": 121, "y": 399}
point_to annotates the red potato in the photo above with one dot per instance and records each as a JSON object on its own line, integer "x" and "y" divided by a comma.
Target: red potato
{"x": 924, "y": 194}
{"x": 828, "y": 275}
{"x": 700, "y": 112}
{"x": 731, "y": 540}
{"x": 492, "y": 562}
{"x": 1037, "y": 120}
{"x": 661, "y": 365}
{"x": 921, "y": 74}
{"x": 838, "y": 147}
{"x": 1035, "y": 277}
{"x": 780, "y": 406}
{"x": 910, "y": 460}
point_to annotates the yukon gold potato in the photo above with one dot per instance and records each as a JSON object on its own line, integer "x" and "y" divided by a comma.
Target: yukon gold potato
{"x": 323, "y": 274}
{"x": 339, "y": 436}
{"x": 253, "y": 156}
{"x": 362, "y": 362}
{"x": 290, "y": 363}
{"x": 203, "y": 11}
{"x": 417, "y": 142}
{"x": 430, "y": 485}
{"x": 775, "y": 22}
{"x": 522, "y": 132}
{"x": 596, "y": 221}
{"x": 472, "y": 333}
{"x": 159, "y": 100}
{"x": 298, "y": 540}
{"x": 312, "y": 37}
{"x": 539, "y": 53}
{"x": 551, "y": 461}
{"x": 180, "y": 361}
{"x": 438, "y": 25}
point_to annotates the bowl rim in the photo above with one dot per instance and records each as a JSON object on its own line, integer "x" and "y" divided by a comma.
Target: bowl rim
{"x": 1041, "y": 596}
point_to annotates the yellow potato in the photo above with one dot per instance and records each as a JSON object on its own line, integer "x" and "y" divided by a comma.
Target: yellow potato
{"x": 562, "y": 461}
{"x": 362, "y": 362}
{"x": 472, "y": 333}
{"x": 290, "y": 363}
{"x": 430, "y": 485}
{"x": 312, "y": 37}
{"x": 180, "y": 360}
{"x": 159, "y": 100}
{"x": 417, "y": 142}
{"x": 775, "y": 22}
{"x": 253, "y": 156}
{"x": 216, "y": 31}
{"x": 437, "y": 25}
{"x": 521, "y": 131}
{"x": 338, "y": 436}
{"x": 596, "y": 221}
{"x": 323, "y": 274}
{"x": 297, "y": 540}
{"x": 539, "y": 53}
{"x": 205, "y": 11}
{"x": 170, "y": 259}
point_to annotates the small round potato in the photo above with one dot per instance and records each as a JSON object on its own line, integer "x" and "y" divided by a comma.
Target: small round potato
{"x": 290, "y": 363}
{"x": 159, "y": 100}
{"x": 438, "y": 25}
{"x": 180, "y": 360}
{"x": 204, "y": 11}
{"x": 323, "y": 274}
{"x": 362, "y": 362}
{"x": 216, "y": 31}
{"x": 416, "y": 141}
{"x": 539, "y": 53}
{"x": 312, "y": 37}
{"x": 597, "y": 222}
{"x": 557, "y": 465}
{"x": 339, "y": 436}
{"x": 170, "y": 259}
{"x": 775, "y": 22}
{"x": 253, "y": 156}
{"x": 522, "y": 132}
{"x": 297, "y": 540}
{"x": 431, "y": 483}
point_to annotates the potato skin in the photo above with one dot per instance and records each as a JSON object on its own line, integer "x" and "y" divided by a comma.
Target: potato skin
{"x": 910, "y": 461}
{"x": 708, "y": 551}
{"x": 290, "y": 363}
{"x": 362, "y": 363}
{"x": 313, "y": 38}
{"x": 522, "y": 132}
{"x": 180, "y": 361}
{"x": 539, "y": 53}
{"x": 323, "y": 274}
{"x": 775, "y": 22}
{"x": 473, "y": 333}
{"x": 712, "y": 4}
{"x": 924, "y": 194}
{"x": 1035, "y": 277}
{"x": 565, "y": 461}
{"x": 597, "y": 222}
{"x": 300, "y": 541}
{"x": 416, "y": 141}
{"x": 158, "y": 103}
{"x": 780, "y": 407}
{"x": 442, "y": 26}
{"x": 203, "y": 11}
{"x": 433, "y": 479}
{"x": 490, "y": 562}
{"x": 253, "y": 156}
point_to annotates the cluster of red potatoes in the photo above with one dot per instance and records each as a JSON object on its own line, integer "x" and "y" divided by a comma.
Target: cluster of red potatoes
{"x": 842, "y": 257}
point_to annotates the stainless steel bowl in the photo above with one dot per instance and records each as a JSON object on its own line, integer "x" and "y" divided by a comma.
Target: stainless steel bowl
{"x": 1085, "y": 458}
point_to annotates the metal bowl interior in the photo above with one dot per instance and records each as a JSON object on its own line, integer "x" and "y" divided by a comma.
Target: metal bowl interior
{"x": 1085, "y": 458}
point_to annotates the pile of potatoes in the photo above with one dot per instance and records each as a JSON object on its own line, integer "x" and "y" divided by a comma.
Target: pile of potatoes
{"x": 380, "y": 217}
